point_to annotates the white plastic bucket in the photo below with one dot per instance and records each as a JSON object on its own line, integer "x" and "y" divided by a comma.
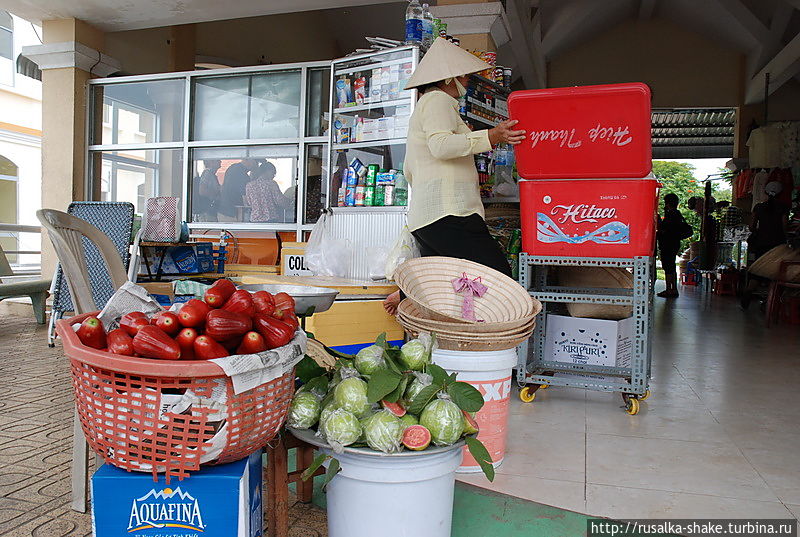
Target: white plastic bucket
{"x": 401, "y": 495}
{"x": 490, "y": 373}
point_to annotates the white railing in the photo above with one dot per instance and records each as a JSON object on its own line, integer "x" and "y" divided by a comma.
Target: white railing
{"x": 22, "y": 264}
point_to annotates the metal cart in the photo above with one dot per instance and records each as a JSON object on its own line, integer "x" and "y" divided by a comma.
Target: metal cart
{"x": 534, "y": 372}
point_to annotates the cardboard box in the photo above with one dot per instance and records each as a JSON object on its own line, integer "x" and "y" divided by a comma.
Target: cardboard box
{"x": 293, "y": 259}
{"x": 576, "y": 340}
{"x": 216, "y": 501}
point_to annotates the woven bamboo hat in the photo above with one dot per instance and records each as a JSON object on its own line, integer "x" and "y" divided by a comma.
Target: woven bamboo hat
{"x": 428, "y": 282}
{"x": 442, "y": 61}
{"x": 411, "y": 314}
{"x": 451, "y": 343}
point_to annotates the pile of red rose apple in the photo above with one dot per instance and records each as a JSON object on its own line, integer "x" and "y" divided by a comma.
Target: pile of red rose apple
{"x": 226, "y": 322}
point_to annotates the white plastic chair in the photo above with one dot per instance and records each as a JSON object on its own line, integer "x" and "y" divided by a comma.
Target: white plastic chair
{"x": 68, "y": 233}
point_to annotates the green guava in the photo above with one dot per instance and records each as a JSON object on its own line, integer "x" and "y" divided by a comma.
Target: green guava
{"x": 444, "y": 420}
{"x": 304, "y": 410}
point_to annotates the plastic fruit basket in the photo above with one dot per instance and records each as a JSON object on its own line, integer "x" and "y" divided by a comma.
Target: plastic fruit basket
{"x": 168, "y": 416}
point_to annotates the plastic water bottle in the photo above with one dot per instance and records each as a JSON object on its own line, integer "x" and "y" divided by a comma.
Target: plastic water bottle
{"x": 503, "y": 170}
{"x": 400, "y": 189}
{"x": 414, "y": 23}
{"x": 427, "y": 26}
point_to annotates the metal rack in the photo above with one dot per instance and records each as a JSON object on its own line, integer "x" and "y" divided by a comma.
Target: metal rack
{"x": 534, "y": 372}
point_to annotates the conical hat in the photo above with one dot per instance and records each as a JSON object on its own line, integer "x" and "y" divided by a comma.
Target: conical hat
{"x": 444, "y": 60}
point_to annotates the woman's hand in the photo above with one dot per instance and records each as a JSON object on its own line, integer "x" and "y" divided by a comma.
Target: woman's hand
{"x": 504, "y": 134}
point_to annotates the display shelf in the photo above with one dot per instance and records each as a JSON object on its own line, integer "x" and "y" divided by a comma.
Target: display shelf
{"x": 484, "y": 121}
{"x": 497, "y": 87}
{"x": 501, "y": 199}
{"x": 493, "y": 109}
{"x": 369, "y": 66}
{"x": 376, "y": 143}
{"x": 632, "y": 382}
{"x": 369, "y": 106}
{"x": 370, "y": 209}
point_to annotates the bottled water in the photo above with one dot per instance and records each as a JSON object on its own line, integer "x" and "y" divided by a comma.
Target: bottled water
{"x": 427, "y": 26}
{"x": 414, "y": 23}
{"x": 400, "y": 189}
{"x": 504, "y": 171}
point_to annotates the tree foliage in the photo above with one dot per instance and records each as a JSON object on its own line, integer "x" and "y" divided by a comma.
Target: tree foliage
{"x": 679, "y": 178}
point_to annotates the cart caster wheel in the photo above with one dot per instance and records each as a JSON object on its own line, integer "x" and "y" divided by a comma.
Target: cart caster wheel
{"x": 526, "y": 395}
{"x": 645, "y": 396}
{"x": 632, "y": 406}
{"x": 543, "y": 386}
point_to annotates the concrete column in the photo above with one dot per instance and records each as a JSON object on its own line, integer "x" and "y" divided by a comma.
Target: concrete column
{"x": 182, "y": 44}
{"x": 70, "y": 56}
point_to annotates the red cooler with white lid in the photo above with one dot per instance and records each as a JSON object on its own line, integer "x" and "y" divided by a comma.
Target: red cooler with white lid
{"x": 588, "y": 217}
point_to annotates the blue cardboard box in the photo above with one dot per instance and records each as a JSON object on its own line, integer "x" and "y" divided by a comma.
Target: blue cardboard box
{"x": 217, "y": 501}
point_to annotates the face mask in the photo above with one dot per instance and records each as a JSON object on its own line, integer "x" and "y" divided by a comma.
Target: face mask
{"x": 462, "y": 91}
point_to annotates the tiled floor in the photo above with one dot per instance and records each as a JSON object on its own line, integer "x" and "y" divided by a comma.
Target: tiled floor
{"x": 719, "y": 437}
{"x": 36, "y": 439}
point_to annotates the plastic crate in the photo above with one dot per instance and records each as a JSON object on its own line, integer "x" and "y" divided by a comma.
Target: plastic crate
{"x": 589, "y": 218}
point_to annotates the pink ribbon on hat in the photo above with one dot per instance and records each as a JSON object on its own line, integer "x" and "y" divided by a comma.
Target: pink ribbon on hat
{"x": 470, "y": 289}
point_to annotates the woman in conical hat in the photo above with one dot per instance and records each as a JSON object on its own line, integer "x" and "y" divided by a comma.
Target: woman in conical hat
{"x": 445, "y": 212}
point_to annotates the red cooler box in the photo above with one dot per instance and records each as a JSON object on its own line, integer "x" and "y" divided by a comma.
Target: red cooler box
{"x": 589, "y": 217}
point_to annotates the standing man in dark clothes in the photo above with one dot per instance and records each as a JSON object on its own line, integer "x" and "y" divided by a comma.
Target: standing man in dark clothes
{"x": 672, "y": 228}
{"x": 233, "y": 189}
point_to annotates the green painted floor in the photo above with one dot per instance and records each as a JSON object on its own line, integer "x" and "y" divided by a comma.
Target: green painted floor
{"x": 479, "y": 512}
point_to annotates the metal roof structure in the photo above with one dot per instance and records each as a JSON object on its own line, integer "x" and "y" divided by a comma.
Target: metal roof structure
{"x": 693, "y": 132}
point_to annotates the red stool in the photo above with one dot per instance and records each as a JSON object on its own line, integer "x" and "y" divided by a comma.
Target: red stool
{"x": 727, "y": 283}
{"x": 689, "y": 278}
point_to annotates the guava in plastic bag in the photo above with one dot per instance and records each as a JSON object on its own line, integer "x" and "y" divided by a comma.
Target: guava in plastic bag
{"x": 304, "y": 410}
{"x": 414, "y": 355}
{"x": 341, "y": 428}
{"x": 421, "y": 380}
{"x": 326, "y": 412}
{"x": 408, "y": 420}
{"x": 384, "y": 432}
{"x": 444, "y": 420}
{"x": 370, "y": 359}
{"x": 351, "y": 395}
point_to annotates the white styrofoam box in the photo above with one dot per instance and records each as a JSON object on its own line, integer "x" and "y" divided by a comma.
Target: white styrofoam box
{"x": 577, "y": 340}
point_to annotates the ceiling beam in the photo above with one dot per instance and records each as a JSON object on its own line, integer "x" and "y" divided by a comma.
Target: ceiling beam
{"x": 523, "y": 43}
{"x": 573, "y": 18}
{"x": 781, "y": 68}
{"x": 746, "y": 19}
{"x": 646, "y": 9}
{"x": 762, "y": 54}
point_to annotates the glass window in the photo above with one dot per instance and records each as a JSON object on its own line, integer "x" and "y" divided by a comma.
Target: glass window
{"x": 255, "y": 184}
{"x": 139, "y": 112}
{"x": 137, "y": 175}
{"x": 6, "y": 35}
{"x": 243, "y": 107}
{"x": 319, "y": 83}
{"x": 314, "y": 190}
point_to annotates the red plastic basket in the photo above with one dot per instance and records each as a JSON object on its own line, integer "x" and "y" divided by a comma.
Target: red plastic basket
{"x": 121, "y": 404}
{"x": 588, "y": 218}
